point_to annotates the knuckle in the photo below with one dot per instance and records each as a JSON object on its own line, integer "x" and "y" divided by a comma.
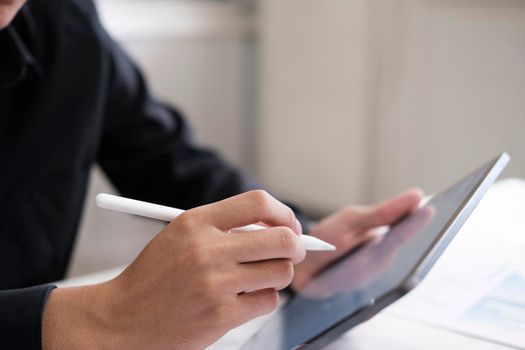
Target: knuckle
{"x": 355, "y": 214}
{"x": 350, "y": 212}
{"x": 287, "y": 240}
{"x": 261, "y": 198}
{"x": 187, "y": 221}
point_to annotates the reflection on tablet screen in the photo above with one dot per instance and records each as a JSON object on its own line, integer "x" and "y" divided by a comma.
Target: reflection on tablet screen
{"x": 370, "y": 272}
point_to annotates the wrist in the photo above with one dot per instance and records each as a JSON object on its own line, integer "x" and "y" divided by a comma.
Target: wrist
{"x": 78, "y": 318}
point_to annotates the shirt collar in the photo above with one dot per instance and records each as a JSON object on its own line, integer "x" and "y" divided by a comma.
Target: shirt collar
{"x": 18, "y": 60}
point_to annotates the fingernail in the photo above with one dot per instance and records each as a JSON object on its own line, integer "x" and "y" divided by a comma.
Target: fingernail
{"x": 299, "y": 227}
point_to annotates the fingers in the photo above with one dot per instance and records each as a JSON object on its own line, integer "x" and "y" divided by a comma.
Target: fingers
{"x": 276, "y": 274}
{"x": 271, "y": 243}
{"x": 389, "y": 211}
{"x": 257, "y": 303}
{"x": 249, "y": 208}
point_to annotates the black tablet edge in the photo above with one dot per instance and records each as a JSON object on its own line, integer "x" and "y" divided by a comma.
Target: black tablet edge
{"x": 457, "y": 220}
{"x": 360, "y": 316}
{"x": 416, "y": 276}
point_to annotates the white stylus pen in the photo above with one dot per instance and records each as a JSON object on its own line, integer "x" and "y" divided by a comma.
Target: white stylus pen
{"x": 160, "y": 212}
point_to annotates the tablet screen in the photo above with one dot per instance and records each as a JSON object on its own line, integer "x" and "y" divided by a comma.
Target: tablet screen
{"x": 370, "y": 272}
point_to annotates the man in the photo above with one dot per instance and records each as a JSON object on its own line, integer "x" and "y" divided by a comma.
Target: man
{"x": 69, "y": 97}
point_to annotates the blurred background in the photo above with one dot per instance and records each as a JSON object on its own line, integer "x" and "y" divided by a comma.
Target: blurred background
{"x": 326, "y": 103}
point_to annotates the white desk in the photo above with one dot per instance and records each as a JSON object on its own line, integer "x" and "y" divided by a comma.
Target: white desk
{"x": 381, "y": 332}
{"x": 388, "y": 330}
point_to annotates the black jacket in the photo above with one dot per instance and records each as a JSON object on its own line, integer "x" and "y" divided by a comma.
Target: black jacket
{"x": 70, "y": 97}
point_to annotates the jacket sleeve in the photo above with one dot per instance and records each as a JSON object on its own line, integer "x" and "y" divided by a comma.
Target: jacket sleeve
{"x": 21, "y": 313}
{"x": 147, "y": 150}
{"x": 146, "y": 147}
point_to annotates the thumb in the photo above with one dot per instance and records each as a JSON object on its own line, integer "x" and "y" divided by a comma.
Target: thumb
{"x": 391, "y": 210}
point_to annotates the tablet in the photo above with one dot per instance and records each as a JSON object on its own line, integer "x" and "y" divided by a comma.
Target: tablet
{"x": 368, "y": 279}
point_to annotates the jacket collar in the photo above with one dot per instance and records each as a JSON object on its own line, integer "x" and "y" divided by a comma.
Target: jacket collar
{"x": 17, "y": 60}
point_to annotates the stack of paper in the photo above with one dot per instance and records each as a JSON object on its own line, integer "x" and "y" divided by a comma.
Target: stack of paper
{"x": 478, "y": 285}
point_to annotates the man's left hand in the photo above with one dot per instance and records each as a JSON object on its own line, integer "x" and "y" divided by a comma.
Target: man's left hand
{"x": 349, "y": 228}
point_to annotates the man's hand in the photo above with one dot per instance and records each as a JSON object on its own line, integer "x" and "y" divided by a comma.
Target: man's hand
{"x": 190, "y": 285}
{"x": 350, "y": 227}
{"x": 370, "y": 262}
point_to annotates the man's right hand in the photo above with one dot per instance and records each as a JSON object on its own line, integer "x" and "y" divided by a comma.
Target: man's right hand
{"x": 191, "y": 284}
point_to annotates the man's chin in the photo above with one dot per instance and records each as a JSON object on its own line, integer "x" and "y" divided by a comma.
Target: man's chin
{"x": 4, "y": 21}
{"x": 8, "y": 11}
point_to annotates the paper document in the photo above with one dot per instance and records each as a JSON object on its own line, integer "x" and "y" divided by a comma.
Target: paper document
{"x": 478, "y": 286}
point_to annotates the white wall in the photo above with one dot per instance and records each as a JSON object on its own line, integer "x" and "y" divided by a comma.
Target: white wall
{"x": 452, "y": 91}
{"x": 314, "y": 100}
{"x": 361, "y": 99}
